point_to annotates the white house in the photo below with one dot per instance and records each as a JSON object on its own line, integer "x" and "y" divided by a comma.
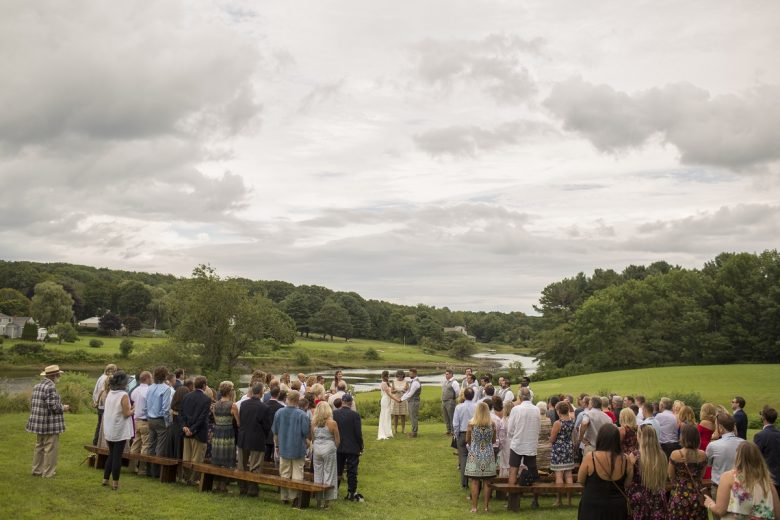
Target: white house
{"x": 90, "y": 323}
{"x": 12, "y": 326}
{"x": 460, "y": 329}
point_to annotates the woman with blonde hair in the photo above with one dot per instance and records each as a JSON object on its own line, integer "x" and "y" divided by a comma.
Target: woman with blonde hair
{"x": 480, "y": 461}
{"x": 503, "y": 455}
{"x": 628, "y": 431}
{"x": 325, "y": 432}
{"x": 746, "y": 492}
{"x": 706, "y": 428}
{"x": 319, "y": 393}
{"x": 223, "y": 441}
{"x": 647, "y": 490}
{"x": 685, "y": 416}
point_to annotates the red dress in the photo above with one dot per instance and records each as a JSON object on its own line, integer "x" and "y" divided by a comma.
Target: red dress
{"x": 706, "y": 435}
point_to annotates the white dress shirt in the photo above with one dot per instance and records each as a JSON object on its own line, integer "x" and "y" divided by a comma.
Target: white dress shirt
{"x": 523, "y": 429}
{"x": 414, "y": 385}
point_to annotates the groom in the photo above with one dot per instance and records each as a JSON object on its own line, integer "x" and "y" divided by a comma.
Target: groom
{"x": 412, "y": 396}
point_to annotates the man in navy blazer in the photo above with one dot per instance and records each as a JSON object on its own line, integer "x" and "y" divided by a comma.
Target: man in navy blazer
{"x": 768, "y": 441}
{"x": 195, "y": 410}
{"x": 256, "y": 420}
{"x": 350, "y": 447}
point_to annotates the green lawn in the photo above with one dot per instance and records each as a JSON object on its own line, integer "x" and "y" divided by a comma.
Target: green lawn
{"x": 110, "y": 344}
{"x": 413, "y": 478}
{"x": 718, "y": 384}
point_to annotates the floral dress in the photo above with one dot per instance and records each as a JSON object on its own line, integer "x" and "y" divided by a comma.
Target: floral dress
{"x": 630, "y": 443}
{"x": 746, "y": 505}
{"x": 686, "y": 500}
{"x": 562, "y": 453}
{"x": 223, "y": 442}
{"x": 645, "y": 504}
{"x": 481, "y": 461}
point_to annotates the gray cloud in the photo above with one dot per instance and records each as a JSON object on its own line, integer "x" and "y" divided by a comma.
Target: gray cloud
{"x": 493, "y": 62}
{"x": 470, "y": 140}
{"x": 730, "y": 131}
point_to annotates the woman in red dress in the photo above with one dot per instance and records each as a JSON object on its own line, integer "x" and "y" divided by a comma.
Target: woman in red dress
{"x": 706, "y": 428}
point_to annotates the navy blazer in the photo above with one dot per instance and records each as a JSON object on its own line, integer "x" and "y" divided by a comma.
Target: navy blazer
{"x": 256, "y": 419}
{"x": 195, "y": 410}
{"x": 768, "y": 441}
{"x": 350, "y": 431}
{"x": 274, "y": 406}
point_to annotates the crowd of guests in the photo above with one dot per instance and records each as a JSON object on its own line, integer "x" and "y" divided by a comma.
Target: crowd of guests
{"x": 635, "y": 459}
{"x": 288, "y": 424}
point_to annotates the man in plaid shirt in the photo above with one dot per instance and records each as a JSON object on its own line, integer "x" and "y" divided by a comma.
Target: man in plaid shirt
{"x": 46, "y": 420}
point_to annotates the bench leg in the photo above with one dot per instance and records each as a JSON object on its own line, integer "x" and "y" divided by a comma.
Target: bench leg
{"x": 206, "y": 482}
{"x": 100, "y": 463}
{"x": 168, "y": 473}
{"x": 513, "y": 502}
{"x": 305, "y": 498}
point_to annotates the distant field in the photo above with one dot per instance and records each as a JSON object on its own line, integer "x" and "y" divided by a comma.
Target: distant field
{"x": 758, "y": 384}
{"x": 110, "y": 344}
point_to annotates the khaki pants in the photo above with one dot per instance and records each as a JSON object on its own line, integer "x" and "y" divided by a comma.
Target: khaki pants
{"x": 290, "y": 468}
{"x": 141, "y": 443}
{"x": 249, "y": 461}
{"x": 194, "y": 451}
{"x": 45, "y": 455}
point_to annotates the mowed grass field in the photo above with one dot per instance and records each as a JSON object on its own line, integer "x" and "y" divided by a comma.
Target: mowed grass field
{"x": 401, "y": 477}
{"x": 110, "y": 344}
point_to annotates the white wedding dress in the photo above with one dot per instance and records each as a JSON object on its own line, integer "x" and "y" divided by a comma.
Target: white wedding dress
{"x": 385, "y": 426}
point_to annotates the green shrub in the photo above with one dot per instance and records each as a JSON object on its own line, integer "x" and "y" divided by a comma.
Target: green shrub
{"x": 126, "y": 347}
{"x": 95, "y": 343}
{"x": 692, "y": 399}
{"x": 30, "y": 332}
{"x": 19, "y": 402}
{"x": 75, "y": 390}
{"x": 28, "y": 349}
{"x": 301, "y": 358}
{"x": 371, "y": 354}
{"x": 171, "y": 354}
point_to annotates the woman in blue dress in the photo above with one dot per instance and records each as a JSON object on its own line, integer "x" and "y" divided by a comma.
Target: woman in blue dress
{"x": 481, "y": 459}
{"x": 562, "y": 453}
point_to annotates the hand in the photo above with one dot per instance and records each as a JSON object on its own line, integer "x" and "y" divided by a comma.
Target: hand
{"x": 708, "y": 502}
{"x": 65, "y": 407}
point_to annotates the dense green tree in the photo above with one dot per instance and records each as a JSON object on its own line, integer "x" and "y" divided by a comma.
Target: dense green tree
{"x": 300, "y": 307}
{"x": 51, "y": 304}
{"x": 134, "y": 299}
{"x": 358, "y": 315}
{"x": 109, "y": 323}
{"x": 14, "y": 303}
{"x": 30, "y": 332}
{"x": 332, "y": 320}
{"x": 65, "y": 332}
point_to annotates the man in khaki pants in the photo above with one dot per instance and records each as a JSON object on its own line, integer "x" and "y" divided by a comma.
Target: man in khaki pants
{"x": 195, "y": 409}
{"x": 47, "y": 421}
{"x": 291, "y": 428}
{"x": 141, "y": 440}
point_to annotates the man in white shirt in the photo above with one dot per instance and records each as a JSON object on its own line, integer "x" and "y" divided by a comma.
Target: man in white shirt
{"x": 591, "y": 423}
{"x": 523, "y": 435}
{"x": 505, "y": 390}
{"x": 302, "y": 379}
{"x": 141, "y": 440}
{"x": 450, "y": 389}
{"x": 471, "y": 382}
{"x": 647, "y": 413}
{"x": 412, "y": 396}
{"x": 525, "y": 382}
{"x": 667, "y": 421}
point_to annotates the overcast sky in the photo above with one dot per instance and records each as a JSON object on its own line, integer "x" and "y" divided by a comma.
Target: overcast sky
{"x": 456, "y": 153}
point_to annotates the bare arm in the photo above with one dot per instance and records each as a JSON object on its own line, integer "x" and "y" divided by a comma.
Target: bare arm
{"x": 127, "y": 410}
{"x": 721, "y": 502}
{"x": 234, "y": 411}
{"x": 468, "y": 434}
{"x": 334, "y": 429}
{"x": 554, "y": 432}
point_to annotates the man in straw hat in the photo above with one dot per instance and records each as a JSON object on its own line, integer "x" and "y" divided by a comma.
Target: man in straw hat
{"x": 46, "y": 420}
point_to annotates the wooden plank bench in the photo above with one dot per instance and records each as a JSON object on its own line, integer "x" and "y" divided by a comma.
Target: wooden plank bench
{"x": 208, "y": 472}
{"x": 168, "y": 466}
{"x": 513, "y": 492}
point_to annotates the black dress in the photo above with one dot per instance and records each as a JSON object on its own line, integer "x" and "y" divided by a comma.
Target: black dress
{"x": 603, "y": 499}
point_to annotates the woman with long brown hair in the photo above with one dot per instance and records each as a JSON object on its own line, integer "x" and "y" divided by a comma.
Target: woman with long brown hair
{"x": 747, "y": 491}
{"x": 686, "y": 471}
{"x": 647, "y": 491}
{"x": 604, "y": 474}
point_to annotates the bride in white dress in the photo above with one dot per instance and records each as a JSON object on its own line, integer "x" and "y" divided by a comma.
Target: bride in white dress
{"x": 385, "y": 425}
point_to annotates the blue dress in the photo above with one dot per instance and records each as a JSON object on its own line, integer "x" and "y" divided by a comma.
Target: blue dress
{"x": 481, "y": 460}
{"x": 562, "y": 455}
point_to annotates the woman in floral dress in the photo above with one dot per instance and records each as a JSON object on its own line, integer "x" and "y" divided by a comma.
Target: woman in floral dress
{"x": 481, "y": 460}
{"x": 746, "y": 492}
{"x": 562, "y": 451}
{"x": 686, "y": 470}
{"x": 628, "y": 433}
{"x": 647, "y": 491}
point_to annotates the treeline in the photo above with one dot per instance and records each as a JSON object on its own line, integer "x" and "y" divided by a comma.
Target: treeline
{"x": 727, "y": 312}
{"x": 153, "y": 300}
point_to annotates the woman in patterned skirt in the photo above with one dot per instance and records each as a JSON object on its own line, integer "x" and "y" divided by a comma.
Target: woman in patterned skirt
{"x": 481, "y": 460}
{"x": 562, "y": 451}
{"x": 647, "y": 491}
{"x": 223, "y": 442}
{"x": 399, "y": 409}
{"x": 686, "y": 470}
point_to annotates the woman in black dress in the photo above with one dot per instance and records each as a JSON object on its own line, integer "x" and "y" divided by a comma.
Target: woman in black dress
{"x": 604, "y": 474}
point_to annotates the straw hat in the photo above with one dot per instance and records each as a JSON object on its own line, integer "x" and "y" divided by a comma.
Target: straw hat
{"x": 51, "y": 370}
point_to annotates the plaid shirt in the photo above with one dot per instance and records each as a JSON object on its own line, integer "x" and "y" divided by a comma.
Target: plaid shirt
{"x": 46, "y": 410}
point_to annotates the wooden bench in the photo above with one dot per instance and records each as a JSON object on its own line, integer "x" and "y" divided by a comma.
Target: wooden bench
{"x": 208, "y": 472}
{"x": 513, "y": 492}
{"x": 168, "y": 466}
